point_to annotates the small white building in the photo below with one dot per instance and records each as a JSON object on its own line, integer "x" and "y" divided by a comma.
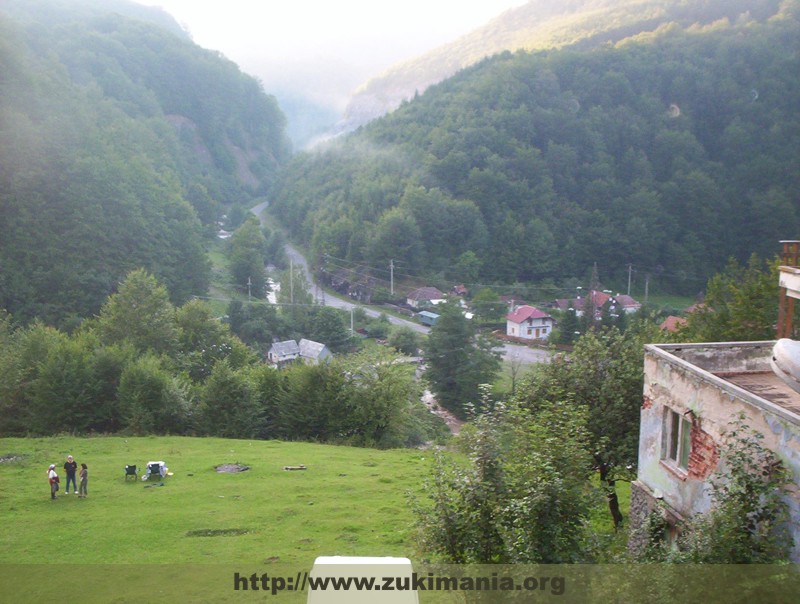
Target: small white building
{"x": 529, "y": 323}
{"x": 313, "y": 353}
{"x": 281, "y": 353}
{"x": 308, "y": 351}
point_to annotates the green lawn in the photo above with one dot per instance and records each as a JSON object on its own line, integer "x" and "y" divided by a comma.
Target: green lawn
{"x": 348, "y": 502}
{"x": 132, "y": 541}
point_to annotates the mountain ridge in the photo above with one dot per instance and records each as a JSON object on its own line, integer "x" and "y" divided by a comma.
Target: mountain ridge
{"x": 538, "y": 25}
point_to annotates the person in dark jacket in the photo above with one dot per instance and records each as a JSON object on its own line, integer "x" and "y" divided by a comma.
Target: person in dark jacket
{"x": 71, "y": 467}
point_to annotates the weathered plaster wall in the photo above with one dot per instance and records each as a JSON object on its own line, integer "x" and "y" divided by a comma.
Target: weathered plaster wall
{"x": 676, "y": 382}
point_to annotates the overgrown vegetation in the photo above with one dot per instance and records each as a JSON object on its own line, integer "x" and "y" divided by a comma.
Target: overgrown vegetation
{"x": 746, "y": 524}
{"x": 523, "y": 495}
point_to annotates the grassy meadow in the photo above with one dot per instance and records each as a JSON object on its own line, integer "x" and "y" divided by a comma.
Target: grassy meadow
{"x": 348, "y": 501}
{"x": 192, "y": 538}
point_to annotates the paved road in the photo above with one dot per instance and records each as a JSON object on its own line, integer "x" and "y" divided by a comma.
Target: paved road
{"x": 511, "y": 352}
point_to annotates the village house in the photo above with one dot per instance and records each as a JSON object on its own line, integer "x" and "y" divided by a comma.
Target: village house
{"x": 618, "y": 303}
{"x": 312, "y": 353}
{"x": 282, "y": 353}
{"x": 672, "y": 323}
{"x": 424, "y": 296}
{"x": 529, "y": 323}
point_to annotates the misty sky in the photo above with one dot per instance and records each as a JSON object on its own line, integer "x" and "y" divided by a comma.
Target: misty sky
{"x": 328, "y": 48}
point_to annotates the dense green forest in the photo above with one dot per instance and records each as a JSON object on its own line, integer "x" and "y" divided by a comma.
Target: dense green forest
{"x": 670, "y": 152}
{"x": 121, "y": 145}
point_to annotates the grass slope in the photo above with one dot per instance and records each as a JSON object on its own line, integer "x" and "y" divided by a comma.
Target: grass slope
{"x": 348, "y": 502}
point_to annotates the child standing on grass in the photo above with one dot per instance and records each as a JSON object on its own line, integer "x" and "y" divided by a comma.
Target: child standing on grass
{"x": 53, "y": 478}
{"x": 84, "y": 476}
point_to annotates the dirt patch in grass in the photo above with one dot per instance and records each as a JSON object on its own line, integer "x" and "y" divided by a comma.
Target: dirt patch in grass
{"x": 231, "y": 468}
{"x": 217, "y": 532}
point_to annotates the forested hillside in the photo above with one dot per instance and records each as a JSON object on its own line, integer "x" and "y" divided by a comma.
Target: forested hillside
{"x": 540, "y": 25}
{"x": 670, "y": 152}
{"x": 119, "y": 140}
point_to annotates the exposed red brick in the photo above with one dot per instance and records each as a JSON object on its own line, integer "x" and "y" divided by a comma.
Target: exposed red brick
{"x": 647, "y": 402}
{"x": 704, "y": 455}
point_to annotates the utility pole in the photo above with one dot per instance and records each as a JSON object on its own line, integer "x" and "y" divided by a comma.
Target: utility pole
{"x": 391, "y": 276}
{"x": 291, "y": 281}
{"x": 630, "y": 269}
{"x": 646, "y": 288}
{"x": 248, "y": 289}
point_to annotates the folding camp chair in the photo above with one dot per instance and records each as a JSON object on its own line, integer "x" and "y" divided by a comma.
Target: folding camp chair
{"x": 155, "y": 469}
{"x": 131, "y": 471}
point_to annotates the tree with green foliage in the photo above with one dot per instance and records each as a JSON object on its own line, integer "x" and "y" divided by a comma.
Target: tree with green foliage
{"x": 604, "y": 374}
{"x": 404, "y": 339}
{"x": 207, "y": 209}
{"x": 458, "y": 360}
{"x": 379, "y": 327}
{"x": 488, "y": 306}
{"x": 228, "y": 406}
{"x": 246, "y": 257}
{"x": 256, "y": 324}
{"x": 568, "y": 326}
{"x": 151, "y": 400}
{"x": 397, "y": 237}
{"x": 203, "y": 341}
{"x": 327, "y": 326}
{"x": 523, "y": 497}
{"x": 311, "y": 404}
{"x": 741, "y": 304}
{"x": 378, "y": 393}
{"x": 63, "y": 393}
{"x": 140, "y": 313}
{"x": 23, "y": 349}
{"x": 295, "y": 297}
{"x": 266, "y": 384}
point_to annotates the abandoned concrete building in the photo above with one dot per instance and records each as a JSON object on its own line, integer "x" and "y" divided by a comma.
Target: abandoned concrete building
{"x": 692, "y": 393}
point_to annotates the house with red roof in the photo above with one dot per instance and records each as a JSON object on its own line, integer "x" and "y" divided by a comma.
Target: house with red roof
{"x": 529, "y": 323}
{"x": 619, "y": 303}
{"x": 672, "y": 323}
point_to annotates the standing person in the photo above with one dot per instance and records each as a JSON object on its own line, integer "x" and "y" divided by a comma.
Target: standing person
{"x": 53, "y": 479}
{"x": 84, "y": 475}
{"x": 70, "y": 467}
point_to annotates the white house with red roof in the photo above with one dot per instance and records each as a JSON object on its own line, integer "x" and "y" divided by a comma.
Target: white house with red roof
{"x": 529, "y": 323}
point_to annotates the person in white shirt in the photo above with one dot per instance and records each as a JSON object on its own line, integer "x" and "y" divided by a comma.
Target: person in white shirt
{"x": 53, "y": 478}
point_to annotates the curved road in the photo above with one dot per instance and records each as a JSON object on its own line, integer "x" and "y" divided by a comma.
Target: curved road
{"x": 511, "y": 352}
